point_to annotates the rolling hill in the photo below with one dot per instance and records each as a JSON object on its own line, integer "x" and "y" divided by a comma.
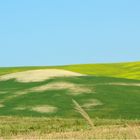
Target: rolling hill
{"x": 130, "y": 70}
{"x": 100, "y": 88}
{"x": 39, "y": 100}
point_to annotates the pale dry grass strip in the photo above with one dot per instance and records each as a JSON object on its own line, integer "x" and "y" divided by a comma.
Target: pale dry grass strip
{"x": 74, "y": 89}
{"x": 91, "y": 103}
{"x": 103, "y": 132}
{"x": 134, "y": 130}
{"x": 1, "y": 105}
{"x": 40, "y": 108}
{"x": 124, "y": 84}
{"x": 39, "y": 75}
{"x": 44, "y": 109}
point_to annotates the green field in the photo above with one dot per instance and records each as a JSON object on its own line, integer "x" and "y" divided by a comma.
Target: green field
{"x": 117, "y": 101}
{"x": 107, "y": 92}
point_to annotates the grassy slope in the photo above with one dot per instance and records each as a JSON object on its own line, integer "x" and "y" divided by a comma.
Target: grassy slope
{"x": 112, "y": 97}
{"x": 120, "y": 70}
{"x": 117, "y": 101}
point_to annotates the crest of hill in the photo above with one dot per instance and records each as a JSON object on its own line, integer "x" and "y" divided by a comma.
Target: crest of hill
{"x": 129, "y": 70}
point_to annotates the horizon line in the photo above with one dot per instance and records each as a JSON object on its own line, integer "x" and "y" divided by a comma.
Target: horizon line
{"x": 19, "y": 66}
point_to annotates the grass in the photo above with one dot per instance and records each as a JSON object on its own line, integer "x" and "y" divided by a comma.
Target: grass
{"x": 58, "y": 128}
{"x": 117, "y": 101}
{"x": 129, "y": 70}
{"x": 116, "y": 117}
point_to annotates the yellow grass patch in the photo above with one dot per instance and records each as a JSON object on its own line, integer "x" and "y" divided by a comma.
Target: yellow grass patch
{"x": 3, "y": 92}
{"x": 91, "y": 103}
{"x": 44, "y": 109}
{"x": 1, "y": 105}
{"x": 20, "y": 108}
{"x": 39, "y": 108}
{"x": 102, "y": 133}
{"x": 74, "y": 89}
{"x": 124, "y": 84}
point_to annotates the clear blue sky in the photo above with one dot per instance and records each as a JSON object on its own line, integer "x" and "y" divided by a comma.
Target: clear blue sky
{"x": 57, "y": 32}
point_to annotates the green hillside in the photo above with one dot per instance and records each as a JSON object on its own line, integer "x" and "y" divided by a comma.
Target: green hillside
{"x": 107, "y": 84}
{"x": 109, "y": 93}
{"x": 120, "y": 70}
{"x": 103, "y": 100}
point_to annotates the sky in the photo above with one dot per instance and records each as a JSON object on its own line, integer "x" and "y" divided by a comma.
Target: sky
{"x": 60, "y": 32}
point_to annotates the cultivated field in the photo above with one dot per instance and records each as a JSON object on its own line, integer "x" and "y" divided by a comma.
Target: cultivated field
{"x": 38, "y": 102}
{"x": 120, "y": 70}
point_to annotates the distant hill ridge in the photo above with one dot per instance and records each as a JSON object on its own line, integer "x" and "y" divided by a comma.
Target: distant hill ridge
{"x": 129, "y": 70}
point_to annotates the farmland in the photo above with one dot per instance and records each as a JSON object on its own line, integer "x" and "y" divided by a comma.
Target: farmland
{"x": 109, "y": 93}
